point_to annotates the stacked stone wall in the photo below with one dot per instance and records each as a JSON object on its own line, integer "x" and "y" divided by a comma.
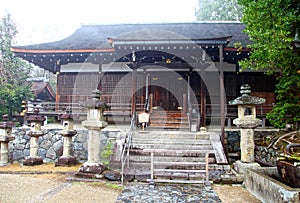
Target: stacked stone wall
{"x": 51, "y": 145}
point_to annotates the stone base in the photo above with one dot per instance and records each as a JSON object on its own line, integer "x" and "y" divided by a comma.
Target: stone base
{"x": 91, "y": 170}
{"x": 66, "y": 161}
{"x": 33, "y": 161}
{"x": 112, "y": 175}
{"x": 240, "y": 167}
{"x": 3, "y": 163}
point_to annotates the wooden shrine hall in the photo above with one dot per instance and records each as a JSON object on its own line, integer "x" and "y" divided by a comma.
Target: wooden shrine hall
{"x": 178, "y": 72}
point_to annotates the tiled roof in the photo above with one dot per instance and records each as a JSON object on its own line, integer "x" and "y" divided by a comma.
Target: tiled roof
{"x": 89, "y": 37}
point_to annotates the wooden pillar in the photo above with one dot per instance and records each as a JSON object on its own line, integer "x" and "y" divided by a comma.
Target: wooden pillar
{"x": 57, "y": 93}
{"x": 202, "y": 98}
{"x": 100, "y": 76}
{"x": 57, "y": 71}
{"x": 146, "y": 86}
{"x": 222, "y": 94}
{"x": 133, "y": 95}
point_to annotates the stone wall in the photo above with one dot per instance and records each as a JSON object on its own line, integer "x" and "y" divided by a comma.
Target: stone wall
{"x": 261, "y": 152}
{"x": 51, "y": 145}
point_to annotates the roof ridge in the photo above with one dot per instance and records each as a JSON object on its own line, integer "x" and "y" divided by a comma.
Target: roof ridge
{"x": 161, "y": 23}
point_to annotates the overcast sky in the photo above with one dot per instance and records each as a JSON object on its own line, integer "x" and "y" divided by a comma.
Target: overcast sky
{"x": 50, "y": 20}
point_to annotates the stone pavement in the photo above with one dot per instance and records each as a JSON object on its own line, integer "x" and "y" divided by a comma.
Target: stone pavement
{"x": 168, "y": 193}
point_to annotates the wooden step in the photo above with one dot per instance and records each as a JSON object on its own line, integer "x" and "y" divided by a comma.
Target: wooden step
{"x": 168, "y": 120}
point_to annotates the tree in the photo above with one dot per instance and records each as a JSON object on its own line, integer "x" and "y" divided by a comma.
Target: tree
{"x": 272, "y": 25}
{"x": 13, "y": 71}
{"x": 220, "y": 10}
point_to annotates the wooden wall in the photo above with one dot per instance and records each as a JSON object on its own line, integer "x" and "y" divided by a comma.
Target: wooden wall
{"x": 116, "y": 87}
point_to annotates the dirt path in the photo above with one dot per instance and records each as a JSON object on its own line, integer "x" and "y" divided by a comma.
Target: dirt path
{"x": 234, "y": 194}
{"x": 52, "y": 188}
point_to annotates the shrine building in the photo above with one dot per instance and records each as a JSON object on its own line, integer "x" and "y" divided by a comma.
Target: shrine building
{"x": 180, "y": 73}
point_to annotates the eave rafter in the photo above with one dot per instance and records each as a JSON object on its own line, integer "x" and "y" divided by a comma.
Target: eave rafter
{"x": 147, "y": 51}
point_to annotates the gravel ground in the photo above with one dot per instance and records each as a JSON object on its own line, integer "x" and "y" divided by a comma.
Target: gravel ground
{"x": 52, "y": 188}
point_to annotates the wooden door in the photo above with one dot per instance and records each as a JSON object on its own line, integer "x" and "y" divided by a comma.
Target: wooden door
{"x": 167, "y": 90}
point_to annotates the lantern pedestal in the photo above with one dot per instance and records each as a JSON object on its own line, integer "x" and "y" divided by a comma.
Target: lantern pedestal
{"x": 35, "y": 132}
{"x": 94, "y": 123}
{"x": 67, "y": 159}
{"x": 246, "y": 121}
{"x": 5, "y": 137}
{"x": 68, "y": 132}
{"x": 33, "y": 158}
{"x": 4, "y": 150}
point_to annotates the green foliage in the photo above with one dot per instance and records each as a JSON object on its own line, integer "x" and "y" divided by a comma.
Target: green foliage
{"x": 218, "y": 10}
{"x": 107, "y": 153}
{"x": 283, "y": 113}
{"x": 272, "y": 26}
{"x": 13, "y": 71}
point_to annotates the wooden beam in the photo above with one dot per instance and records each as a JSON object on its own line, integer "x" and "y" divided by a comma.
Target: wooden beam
{"x": 222, "y": 94}
{"x": 133, "y": 94}
{"x": 203, "y": 98}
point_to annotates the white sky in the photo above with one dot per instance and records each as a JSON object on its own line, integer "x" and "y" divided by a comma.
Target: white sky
{"x": 50, "y": 20}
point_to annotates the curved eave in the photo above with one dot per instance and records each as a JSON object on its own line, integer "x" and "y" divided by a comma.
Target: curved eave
{"x": 46, "y": 51}
{"x": 52, "y": 59}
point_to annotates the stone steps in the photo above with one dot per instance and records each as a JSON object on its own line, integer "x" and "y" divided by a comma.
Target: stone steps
{"x": 178, "y": 135}
{"x": 172, "y": 141}
{"x": 172, "y": 153}
{"x": 177, "y": 155}
{"x": 147, "y": 159}
{"x": 176, "y": 146}
{"x": 174, "y": 165}
{"x": 176, "y": 181}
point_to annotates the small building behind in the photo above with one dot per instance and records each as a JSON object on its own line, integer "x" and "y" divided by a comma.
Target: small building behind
{"x": 42, "y": 89}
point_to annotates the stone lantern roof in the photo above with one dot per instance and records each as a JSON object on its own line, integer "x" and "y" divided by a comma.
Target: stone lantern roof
{"x": 6, "y": 123}
{"x": 246, "y": 98}
{"x": 95, "y": 102}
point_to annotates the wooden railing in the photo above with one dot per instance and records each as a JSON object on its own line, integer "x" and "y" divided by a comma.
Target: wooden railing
{"x": 124, "y": 109}
{"x": 152, "y": 179}
{"x": 53, "y": 109}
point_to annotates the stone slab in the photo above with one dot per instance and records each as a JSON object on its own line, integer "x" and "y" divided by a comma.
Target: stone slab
{"x": 267, "y": 189}
{"x": 241, "y": 167}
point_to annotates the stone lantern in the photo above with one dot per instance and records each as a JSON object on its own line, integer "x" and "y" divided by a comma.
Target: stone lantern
{"x": 68, "y": 132}
{"x": 35, "y": 132}
{"x": 94, "y": 123}
{"x": 5, "y": 136}
{"x": 247, "y": 121}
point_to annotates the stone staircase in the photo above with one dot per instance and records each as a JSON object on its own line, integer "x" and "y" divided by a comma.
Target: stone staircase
{"x": 168, "y": 119}
{"x": 178, "y": 156}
